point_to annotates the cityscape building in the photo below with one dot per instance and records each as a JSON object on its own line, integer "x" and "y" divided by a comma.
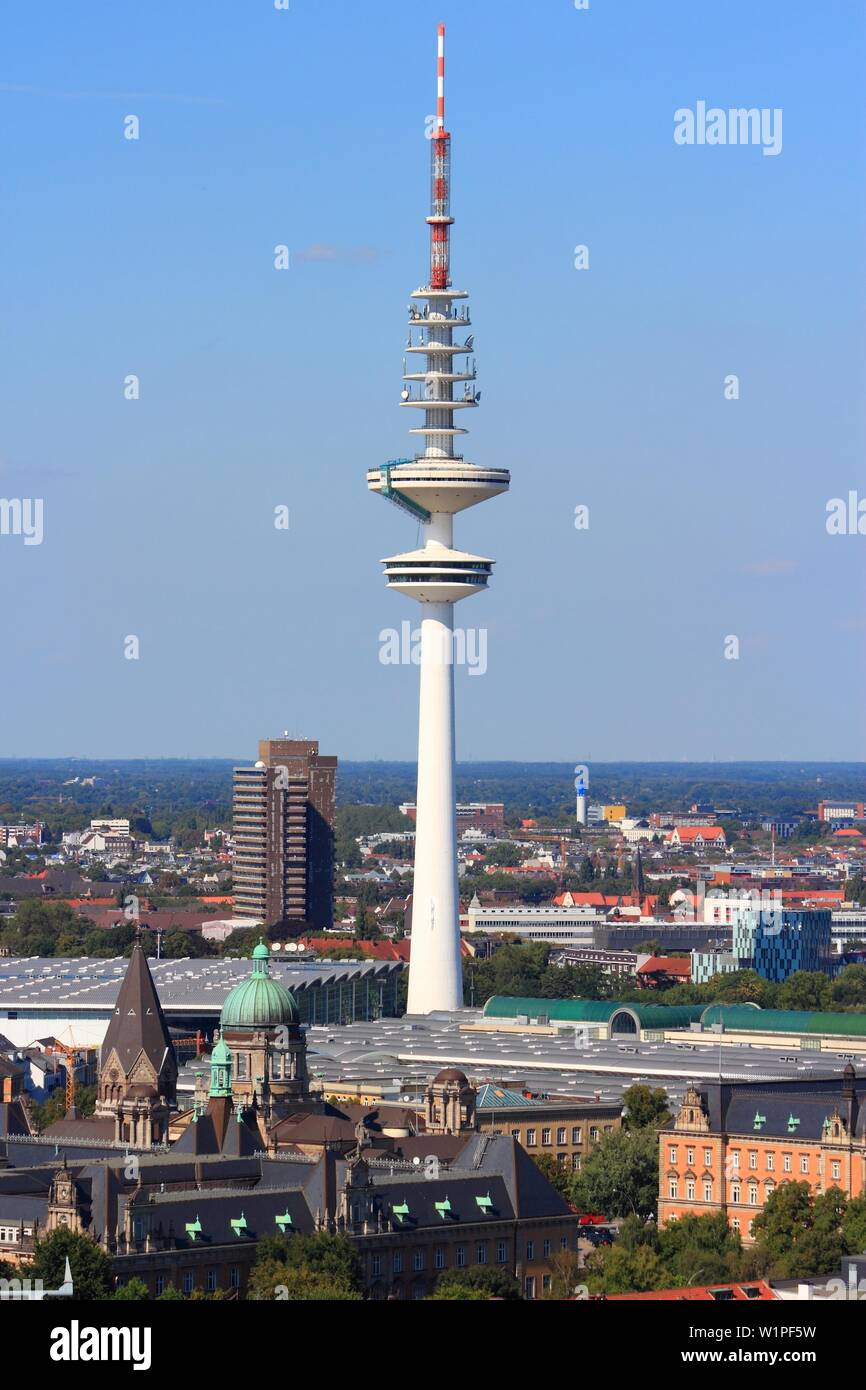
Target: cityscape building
{"x": 283, "y": 812}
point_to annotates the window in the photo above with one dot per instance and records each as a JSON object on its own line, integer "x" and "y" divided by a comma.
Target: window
{"x": 160, "y": 1284}
{"x": 530, "y": 1249}
{"x": 546, "y": 1283}
{"x": 545, "y": 1249}
{"x": 418, "y": 1260}
{"x": 575, "y": 1163}
{"x": 560, "y": 1134}
{"x": 690, "y": 1190}
{"x": 242, "y": 1063}
{"x": 397, "y": 1262}
{"x": 672, "y": 1157}
{"x": 545, "y": 1136}
{"x": 562, "y": 1160}
{"x": 673, "y": 1189}
{"x": 735, "y": 1158}
{"x": 187, "y": 1281}
{"x": 735, "y": 1192}
{"x": 481, "y": 1253}
{"x": 576, "y": 1134}
{"x": 708, "y": 1191}
{"x": 529, "y": 1286}
{"x": 836, "y": 1170}
{"x": 753, "y": 1158}
{"x": 771, "y": 1162}
{"x": 786, "y": 1162}
{"x": 375, "y": 1265}
{"x": 563, "y": 1242}
{"x": 690, "y": 1157}
{"x": 804, "y": 1163}
{"x": 501, "y": 1252}
{"x": 515, "y": 1134}
{"x": 439, "y": 1257}
{"x": 234, "y": 1277}
{"x": 530, "y": 1138}
{"x": 708, "y": 1157}
{"x": 461, "y": 1256}
{"x": 593, "y": 1132}
{"x": 736, "y": 1223}
{"x": 753, "y": 1194}
{"x": 211, "y": 1280}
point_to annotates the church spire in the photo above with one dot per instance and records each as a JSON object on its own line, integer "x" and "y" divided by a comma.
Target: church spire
{"x": 138, "y": 1024}
{"x": 137, "y": 1062}
{"x": 639, "y": 884}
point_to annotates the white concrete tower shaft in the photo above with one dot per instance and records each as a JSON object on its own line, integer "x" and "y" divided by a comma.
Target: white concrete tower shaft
{"x": 432, "y": 487}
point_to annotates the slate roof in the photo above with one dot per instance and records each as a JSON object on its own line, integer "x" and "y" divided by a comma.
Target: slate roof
{"x": 218, "y": 1131}
{"x": 802, "y": 1116}
{"x": 138, "y": 1023}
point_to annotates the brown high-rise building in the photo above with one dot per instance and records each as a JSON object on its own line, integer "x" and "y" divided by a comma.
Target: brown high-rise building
{"x": 283, "y": 811}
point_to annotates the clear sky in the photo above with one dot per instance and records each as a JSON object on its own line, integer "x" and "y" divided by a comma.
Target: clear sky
{"x": 260, "y": 388}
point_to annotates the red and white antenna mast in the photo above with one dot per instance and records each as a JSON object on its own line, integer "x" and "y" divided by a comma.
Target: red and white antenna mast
{"x": 440, "y": 218}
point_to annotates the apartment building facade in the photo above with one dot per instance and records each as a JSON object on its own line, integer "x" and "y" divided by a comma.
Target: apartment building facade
{"x": 283, "y": 827}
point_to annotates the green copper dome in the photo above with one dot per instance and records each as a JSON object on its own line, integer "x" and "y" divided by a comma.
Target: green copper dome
{"x": 258, "y": 1001}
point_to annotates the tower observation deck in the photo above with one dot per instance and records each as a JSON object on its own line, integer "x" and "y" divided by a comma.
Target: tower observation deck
{"x": 439, "y": 387}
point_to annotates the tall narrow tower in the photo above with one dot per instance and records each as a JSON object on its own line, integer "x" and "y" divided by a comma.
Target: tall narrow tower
{"x": 438, "y": 380}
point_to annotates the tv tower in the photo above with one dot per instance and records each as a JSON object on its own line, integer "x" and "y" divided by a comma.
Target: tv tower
{"x": 432, "y": 486}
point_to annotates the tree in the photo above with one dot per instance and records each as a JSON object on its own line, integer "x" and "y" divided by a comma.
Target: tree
{"x": 490, "y": 1282}
{"x": 849, "y": 987}
{"x": 559, "y": 1178}
{"x": 318, "y": 1262}
{"x": 854, "y": 1226}
{"x": 701, "y": 1250}
{"x": 619, "y": 1269}
{"x": 799, "y": 1234}
{"x": 620, "y": 1176}
{"x": 90, "y": 1266}
{"x": 135, "y": 1290}
{"x": 805, "y": 989}
{"x": 463, "y": 1292}
{"x": 740, "y": 987}
{"x": 566, "y": 1274}
{"x": 645, "y": 1105}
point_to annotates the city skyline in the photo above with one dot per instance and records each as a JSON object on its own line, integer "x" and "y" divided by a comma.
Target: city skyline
{"x": 707, "y": 517}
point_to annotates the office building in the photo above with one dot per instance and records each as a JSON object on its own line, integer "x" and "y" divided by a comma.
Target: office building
{"x": 283, "y": 825}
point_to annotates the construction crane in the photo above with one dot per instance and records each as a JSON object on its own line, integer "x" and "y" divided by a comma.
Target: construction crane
{"x": 71, "y": 1055}
{"x": 195, "y": 1042}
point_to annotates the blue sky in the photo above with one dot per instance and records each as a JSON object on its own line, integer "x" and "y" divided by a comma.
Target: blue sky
{"x": 262, "y": 388}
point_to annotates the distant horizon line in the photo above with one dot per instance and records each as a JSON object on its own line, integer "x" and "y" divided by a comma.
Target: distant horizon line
{"x": 461, "y": 762}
